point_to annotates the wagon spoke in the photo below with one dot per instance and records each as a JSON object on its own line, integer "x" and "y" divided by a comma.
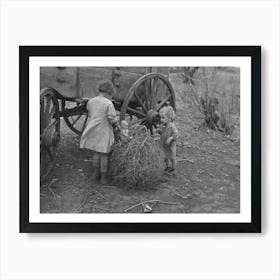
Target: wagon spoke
{"x": 151, "y": 92}
{"x": 44, "y": 114}
{"x": 140, "y": 102}
{"x": 42, "y": 159}
{"x": 137, "y": 121}
{"x": 42, "y": 103}
{"x": 52, "y": 124}
{"x": 48, "y": 121}
{"x": 154, "y": 91}
{"x": 151, "y": 86}
{"x": 137, "y": 113}
{"x": 155, "y": 83}
{"x": 52, "y": 111}
{"x": 42, "y": 117}
{"x": 165, "y": 99}
{"x": 49, "y": 153}
{"x": 49, "y": 116}
{"x": 48, "y": 105}
{"x": 144, "y": 96}
{"x": 147, "y": 94}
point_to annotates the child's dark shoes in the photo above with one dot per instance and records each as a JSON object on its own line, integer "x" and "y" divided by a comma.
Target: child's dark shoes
{"x": 166, "y": 171}
{"x": 171, "y": 172}
{"x": 95, "y": 176}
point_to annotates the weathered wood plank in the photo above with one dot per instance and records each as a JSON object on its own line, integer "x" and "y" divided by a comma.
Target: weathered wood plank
{"x": 63, "y": 80}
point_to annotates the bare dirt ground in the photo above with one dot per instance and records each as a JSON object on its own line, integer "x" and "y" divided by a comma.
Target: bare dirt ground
{"x": 207, "y": 179}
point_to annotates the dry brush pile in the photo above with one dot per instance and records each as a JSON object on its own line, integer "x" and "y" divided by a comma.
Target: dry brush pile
{"x": 137, "y": 161}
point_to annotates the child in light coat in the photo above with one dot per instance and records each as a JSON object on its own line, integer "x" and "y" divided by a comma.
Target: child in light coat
{"x": 98, "y": 135}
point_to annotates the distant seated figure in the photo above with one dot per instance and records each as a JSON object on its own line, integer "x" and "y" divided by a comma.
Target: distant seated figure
{"x": 213, "y": 117}
{"x": 216, "y": 116}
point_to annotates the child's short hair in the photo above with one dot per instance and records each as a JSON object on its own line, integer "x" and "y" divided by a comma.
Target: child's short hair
{"x": 106, "y": 87}
{"x": 168, "y": 111}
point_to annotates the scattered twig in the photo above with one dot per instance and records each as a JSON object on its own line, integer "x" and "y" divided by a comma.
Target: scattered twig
{"x": 185, "y": 159}
{"x": 149, "y": 201}
{"x": 85, "y": 198}
{"x": 211, "y": 175}
{"x": 103, "y": 209}
{"x": 109, "y": 186}
{"x": 196, "y": 180}
{"x": 184, "y": 197}
{"x": 45, "y": 177}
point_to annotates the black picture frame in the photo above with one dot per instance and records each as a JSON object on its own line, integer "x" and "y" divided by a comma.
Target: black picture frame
{"x": 254, "y": 52}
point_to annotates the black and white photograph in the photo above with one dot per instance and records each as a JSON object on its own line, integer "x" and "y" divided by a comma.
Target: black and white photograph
{"x": 139, "y": 139}
{"x": 140, "y": 135}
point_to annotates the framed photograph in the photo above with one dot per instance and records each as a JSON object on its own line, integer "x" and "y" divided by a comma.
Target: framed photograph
{"x": 140, "y": 139}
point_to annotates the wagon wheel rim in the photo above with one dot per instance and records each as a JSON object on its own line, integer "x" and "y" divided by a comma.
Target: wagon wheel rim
{"x": 77, "y": 119}
{"x": 49, "y": 131}
{"x": 149, "y": 97}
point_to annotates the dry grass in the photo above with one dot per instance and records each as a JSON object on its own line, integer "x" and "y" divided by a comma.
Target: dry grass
{"x": 211, "y": 82}
{"x": 137, "y": 162}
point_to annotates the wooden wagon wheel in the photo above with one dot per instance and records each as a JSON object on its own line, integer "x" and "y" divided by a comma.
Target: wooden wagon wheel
{"x": 75, "y": 114}
{"x": 145, "y": 98}
{"x": 49, "y": 130}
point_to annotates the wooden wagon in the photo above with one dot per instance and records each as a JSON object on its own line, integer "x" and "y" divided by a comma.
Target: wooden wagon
{"x": 139, "y": 94}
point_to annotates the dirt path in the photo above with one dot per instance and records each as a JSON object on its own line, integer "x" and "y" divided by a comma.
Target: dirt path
{"x": 207, "y": 179}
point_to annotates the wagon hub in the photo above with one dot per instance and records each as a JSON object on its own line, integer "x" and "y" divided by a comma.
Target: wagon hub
{"x": 152, "y": 117}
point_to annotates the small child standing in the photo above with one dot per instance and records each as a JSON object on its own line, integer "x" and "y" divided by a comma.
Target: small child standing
{"x": 124, "y": 128}
{"x": 98, "y": 134}
{"x": 168, "y": 136}
{"x": 122, "y": 132}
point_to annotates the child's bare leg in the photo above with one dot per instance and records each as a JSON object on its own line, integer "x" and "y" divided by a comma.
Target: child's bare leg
{"x": 173, "y": 156}
{"x": 96, "y": 166}
{"x": 166, "y": 161}
{"x": 104, "y": 162}
{"x": 166, "y": 158}
{"x": 173, "y": 164}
